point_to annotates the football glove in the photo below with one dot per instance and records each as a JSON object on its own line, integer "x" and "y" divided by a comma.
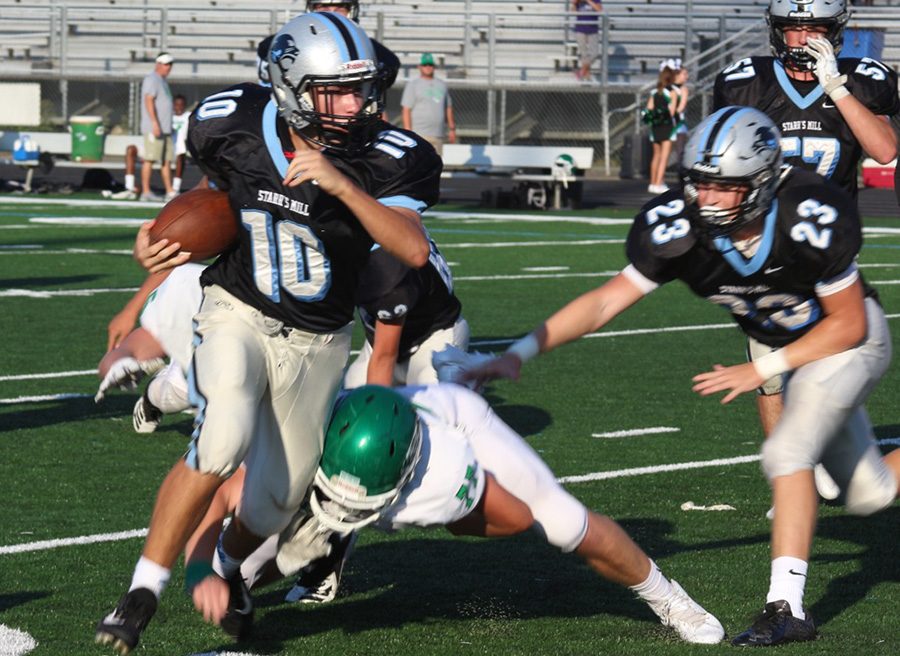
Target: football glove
{"x": 451, "y": 362}
{"x": 826, "y": 68}
{"x": 126, "y": 373}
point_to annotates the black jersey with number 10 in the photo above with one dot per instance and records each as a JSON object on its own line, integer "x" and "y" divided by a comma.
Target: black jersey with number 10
{"x": 300, "y": 250}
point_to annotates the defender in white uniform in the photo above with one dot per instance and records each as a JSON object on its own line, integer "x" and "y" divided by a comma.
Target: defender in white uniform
{"x": 165, "y": 331}
{"x": 439, "y": 456}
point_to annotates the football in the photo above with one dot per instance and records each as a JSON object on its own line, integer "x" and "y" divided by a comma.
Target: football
{"x": 201, "y": 220}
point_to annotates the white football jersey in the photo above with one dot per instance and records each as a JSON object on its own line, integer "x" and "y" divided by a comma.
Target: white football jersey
{"x": 169, "y": 311}
{"x": 449, "y": 481}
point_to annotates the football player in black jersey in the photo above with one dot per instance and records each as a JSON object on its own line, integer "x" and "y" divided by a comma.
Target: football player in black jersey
{"x": 408, "y": 314}
{"x": 828, "y": 110}
{"x": 316, "y": 178}
{"x": 777, "y": 247}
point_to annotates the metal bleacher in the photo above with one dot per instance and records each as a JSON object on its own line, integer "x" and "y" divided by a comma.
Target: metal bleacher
{"x": 488, "y": 41}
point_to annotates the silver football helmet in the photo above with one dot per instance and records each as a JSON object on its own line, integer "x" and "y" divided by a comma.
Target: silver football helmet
{"x": 733, "y": 146}
{"x": 783, "y": 14}
{"x": 309, "y": 57}
{"x": 351, "y": 5}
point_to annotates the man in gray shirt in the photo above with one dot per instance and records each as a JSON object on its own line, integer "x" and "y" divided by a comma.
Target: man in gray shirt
{"x": 156, "y": 126}
{"x": 427, "y": 108}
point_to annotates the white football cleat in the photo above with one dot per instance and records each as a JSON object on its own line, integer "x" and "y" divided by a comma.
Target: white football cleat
{"x": 825, "y": 485}
{"x": 451, "y": 362}
{"x": 689, "y": 619}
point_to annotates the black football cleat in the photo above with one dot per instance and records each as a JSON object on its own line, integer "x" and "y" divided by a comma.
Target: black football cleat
{"x": 319, "y": 581}
{"x": 777, "y": 626}
{"x": 122, "y": 628}
{"x": 238, "y": 620}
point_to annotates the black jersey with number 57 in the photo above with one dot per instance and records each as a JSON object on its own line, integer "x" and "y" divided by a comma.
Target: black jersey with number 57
{"x": 814, "y": 134}
{"x": 300, "y": 250}
{"x": 808, "y": 249}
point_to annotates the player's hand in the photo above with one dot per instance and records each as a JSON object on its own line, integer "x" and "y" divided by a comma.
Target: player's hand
{"x": 313, "y": 166}
{"x": 826, "y": 68}
{"x": 737, "y": 379}
{"x": 157, "y": 256}
{"x": 211, "y": 598}
{"x": 119, "y": 327}
{"x": 507, "y": 365}
{"x": 126, "y": 373}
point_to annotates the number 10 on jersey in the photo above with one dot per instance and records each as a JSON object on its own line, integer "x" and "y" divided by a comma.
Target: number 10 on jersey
{"x": 286, "y": 255}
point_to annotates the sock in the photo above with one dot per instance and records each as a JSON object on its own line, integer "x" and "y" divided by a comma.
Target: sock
{"x": 176, "y": 185}
{"x": 148, "y": 574}
{"x": 129, "y": 182}
{"x": 223, "y": 564}
{"x": 656, "y": 588}
{"x": 787, "y": 583}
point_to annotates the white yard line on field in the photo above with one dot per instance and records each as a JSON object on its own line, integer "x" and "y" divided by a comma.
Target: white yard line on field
{"x": 44, "y": 397}
{"x": 34, "y": 293}
{"x": 44, "y": 545}
{"x": 119, "y": 222}
{"x": 14, "y": 642}
{"x": 69, "y": 251}
{"x": 52, "y": 374}
{"x": 634, "y": 432}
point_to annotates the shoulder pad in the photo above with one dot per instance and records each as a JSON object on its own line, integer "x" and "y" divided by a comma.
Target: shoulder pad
{"x": 872, "y": 83}
{"x": 662, "y": 228}
{"x": 816, "y": 212}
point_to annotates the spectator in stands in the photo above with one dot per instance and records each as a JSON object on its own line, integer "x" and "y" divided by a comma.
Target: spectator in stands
{"x": 427, "y": 107}
{"x": 587, "y": 34}
{"x": 179, "y": 132}
{"x": 660, "y": 114}
{"x": 156, "y": 126}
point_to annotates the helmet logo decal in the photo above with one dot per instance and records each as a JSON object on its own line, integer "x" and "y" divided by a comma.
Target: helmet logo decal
{"x": 284, "y": 51}
{"x": 765, "y": 140}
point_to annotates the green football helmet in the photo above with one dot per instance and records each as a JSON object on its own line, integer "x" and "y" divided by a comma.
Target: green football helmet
{"x": 372, "y": 446}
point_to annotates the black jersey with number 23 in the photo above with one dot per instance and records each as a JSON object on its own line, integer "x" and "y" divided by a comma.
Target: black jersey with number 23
{"x": 809, "y": 243}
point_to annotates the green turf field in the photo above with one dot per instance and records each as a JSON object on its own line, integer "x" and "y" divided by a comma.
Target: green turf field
{"x": 75, "y": 473}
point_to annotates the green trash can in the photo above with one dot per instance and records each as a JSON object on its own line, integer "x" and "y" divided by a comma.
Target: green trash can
{"x": 87, "y": 138}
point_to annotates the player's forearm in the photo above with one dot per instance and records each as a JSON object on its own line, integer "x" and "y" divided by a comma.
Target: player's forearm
{"x": 874, "y": 132}
{"x": 397, "y": 231}
{"x": 380, "y": 370}
{"x": 840, "y": 330}
{"x": 588, "y": 313}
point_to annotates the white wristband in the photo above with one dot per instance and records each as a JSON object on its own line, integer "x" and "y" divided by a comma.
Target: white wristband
{"x": 838, "y": 92}
{"x": 526, "y": 348}
{"x": 771, "y": 364}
